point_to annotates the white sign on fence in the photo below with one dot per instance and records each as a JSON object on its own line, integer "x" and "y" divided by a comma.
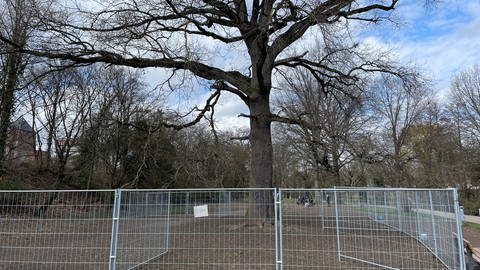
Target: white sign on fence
{"x": 200, "y": 211}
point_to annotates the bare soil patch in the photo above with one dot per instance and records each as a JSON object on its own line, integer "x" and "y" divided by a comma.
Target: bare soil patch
{"x": 472, "y": 235}
{"x": 217, "y": 243}
{"x": 214, "y": 243}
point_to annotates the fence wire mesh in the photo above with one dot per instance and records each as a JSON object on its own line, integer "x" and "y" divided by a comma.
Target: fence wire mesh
{"x": 55, "y": 230}
{"x": 370, "y": 229}
{"x": 231, "y": 229}
{"x": 143, "y": 227}
{"x": 218, "y": 229}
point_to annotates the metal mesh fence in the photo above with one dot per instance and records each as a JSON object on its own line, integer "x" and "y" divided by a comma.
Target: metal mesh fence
{"x": 55, "y": 230}
{"x": 231, "y": 229}
{"x": 218, "y": 229}
{"x": 429, "y": 216}
{"x": 143, "y": 227}
{"x": 370, "y": 229}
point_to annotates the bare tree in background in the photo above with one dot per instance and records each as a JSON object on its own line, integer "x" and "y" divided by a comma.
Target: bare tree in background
{"x": 209, "y": 160}
{"x": 107, "y": 139}
{"x": 329, "y": 118}
{"x": 440, "y": 160}
{"x": 64, "y": 104}
{"x": 465, "y": 103}
{"x": 397, "y": 105}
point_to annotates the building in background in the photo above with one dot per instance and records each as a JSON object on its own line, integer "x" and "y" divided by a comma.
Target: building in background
{"x": 20, "y": 142}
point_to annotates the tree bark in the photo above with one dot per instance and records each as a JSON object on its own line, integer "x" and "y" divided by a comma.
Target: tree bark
{"x": 7, "y": 102}
{"x": 262, "y": 155}
{"x": 13, "y": 68}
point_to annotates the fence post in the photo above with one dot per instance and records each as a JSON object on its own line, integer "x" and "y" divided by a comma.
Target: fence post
{"x": 278, "y": 229}
{"x": 168, "y": 222}
{"x": 147, "y": 206}
{"x": 399, "y": 209}
{"x": 417, "y": 220}
{"x": 368, "y": 205}
{"x": 322, "y": 210}
{"x": 229, "y": 203}
{"x": 461, "y": 255}
{"x": 188, "y": 202}
{"x": 115, "y": 221}
{"x": 280, "y": 218}
{"x": 385, "y": 210}
{"x": 433, "y": 223}
{"x": 337, "y": 222}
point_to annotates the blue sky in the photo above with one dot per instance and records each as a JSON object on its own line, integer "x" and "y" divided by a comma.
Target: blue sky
{"x": 416, "y": 22}
{"x": 441, "y": 40}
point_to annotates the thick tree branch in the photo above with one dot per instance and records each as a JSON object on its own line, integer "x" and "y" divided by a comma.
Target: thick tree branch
{"x": 290, "y": 121}
{"x": 220, "y": 85}
{"x": 326, "y": 13}
{"x": 88, "y": 57}
{"x": 210, "y": 20}
{"x": 210, "y": 104}
{"x": 241, "y": 138}
{"x": 369, "y": 8}
{"x": 323, "y": 13}
{"x": 247, "y": 116}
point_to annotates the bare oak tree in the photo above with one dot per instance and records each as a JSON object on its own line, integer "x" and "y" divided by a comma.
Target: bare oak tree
{"x": 166, "y": 34}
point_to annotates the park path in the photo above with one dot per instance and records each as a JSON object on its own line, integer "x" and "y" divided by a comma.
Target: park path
{"x": 473, "y": 219}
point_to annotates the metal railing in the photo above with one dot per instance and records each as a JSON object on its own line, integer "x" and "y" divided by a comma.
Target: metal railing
{"x": 341, "y": 228}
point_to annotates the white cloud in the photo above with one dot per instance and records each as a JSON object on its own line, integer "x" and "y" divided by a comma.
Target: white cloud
{"x": 227, "y": 111}
{"x": 445, "y": 52}
{"x": 445, "y": 55}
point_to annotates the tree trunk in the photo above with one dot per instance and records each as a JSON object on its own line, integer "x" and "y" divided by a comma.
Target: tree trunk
{"x": 7, "y": 102}
{"x": 52, "y": 123}
{"x": 13, "y": 68}
{"x": 262, "y": 156}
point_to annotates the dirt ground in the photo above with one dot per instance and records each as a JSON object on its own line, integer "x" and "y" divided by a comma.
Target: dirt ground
{"x": 216, "y": 242}
{"x": 472, "y": 235}
{"x": 307, "y": 243}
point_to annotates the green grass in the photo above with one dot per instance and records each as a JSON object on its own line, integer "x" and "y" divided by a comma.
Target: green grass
{"x": 180, "y": 209}
{"x": 385, "y": 211}
{"x": 471, "y": 225}
{"x": 389, "y": 211}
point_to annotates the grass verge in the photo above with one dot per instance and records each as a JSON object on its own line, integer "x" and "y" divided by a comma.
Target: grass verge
{"x": 471, "y": 225}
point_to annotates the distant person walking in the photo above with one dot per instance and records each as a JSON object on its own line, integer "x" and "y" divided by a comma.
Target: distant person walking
{"x": 327, "y": 198}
